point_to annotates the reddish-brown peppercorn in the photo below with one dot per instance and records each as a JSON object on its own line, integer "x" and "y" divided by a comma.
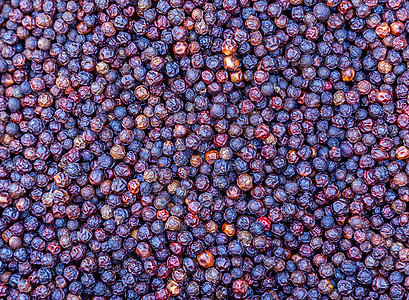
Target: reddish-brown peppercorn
{"x": 205, "y": 259}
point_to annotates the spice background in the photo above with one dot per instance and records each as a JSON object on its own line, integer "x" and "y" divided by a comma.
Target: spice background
{"x": 226, "y": 149}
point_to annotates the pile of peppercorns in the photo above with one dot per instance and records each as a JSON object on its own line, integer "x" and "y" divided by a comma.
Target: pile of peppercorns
{"x": 193, "y": 149}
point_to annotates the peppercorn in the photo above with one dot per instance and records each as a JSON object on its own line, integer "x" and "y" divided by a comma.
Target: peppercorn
{"x": 205, "y": 259}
